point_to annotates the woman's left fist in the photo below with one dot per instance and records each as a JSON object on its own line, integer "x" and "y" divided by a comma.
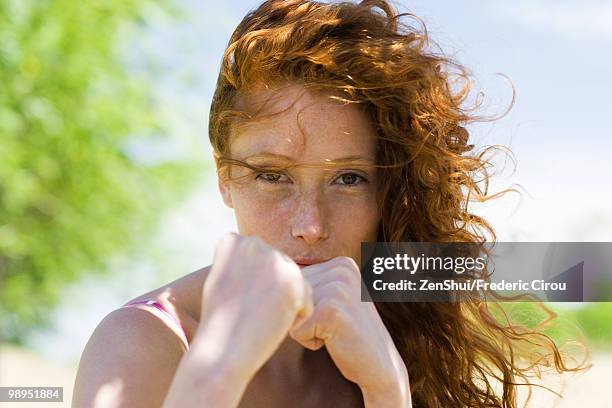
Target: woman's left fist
{"x": 351, "y": 330}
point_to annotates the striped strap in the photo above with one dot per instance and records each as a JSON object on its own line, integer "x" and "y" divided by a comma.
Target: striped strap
{"x": 160, "y": 307}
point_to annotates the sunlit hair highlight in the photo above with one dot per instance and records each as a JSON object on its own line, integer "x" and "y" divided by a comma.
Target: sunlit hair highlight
{"x": 457, "y": 354}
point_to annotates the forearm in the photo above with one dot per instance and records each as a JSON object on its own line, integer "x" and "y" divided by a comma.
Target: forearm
{"x": 206, "y": 378}
{"x": 387, "y": 399}
{"x": 394, "y": 395}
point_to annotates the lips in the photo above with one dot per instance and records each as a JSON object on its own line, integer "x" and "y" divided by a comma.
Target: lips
{"x": 303, "y": 262}
{"x": 303, "y": 265}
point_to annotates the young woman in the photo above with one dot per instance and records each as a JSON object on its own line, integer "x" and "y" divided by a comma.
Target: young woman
{"x": 332, "y": 124}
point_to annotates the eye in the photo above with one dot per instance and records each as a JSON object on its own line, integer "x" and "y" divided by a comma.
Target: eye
{"x": 351, "y": 179}
{"x": 272, "y": 178}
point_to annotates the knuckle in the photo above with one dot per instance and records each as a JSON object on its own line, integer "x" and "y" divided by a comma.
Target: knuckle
{"x": 331, "y": 312}
{"x": 279, "y": 257}
{"x": 231, "y": 235}
{"x": 291, "y": 287}
{"x": 294, "y": 297}
{"x": 241, "y": 242}
{"x": 224, "y": 249}
{"x": 348, "y": 262}
{"x": 286, "y": 271}
{"x": 255, "y": 242}
{"x": 256, "y": 247}
{"x": 345, "y": 275}
{"x": 341, "y": 291}
{"x": 228, "y": 240}
{"x": 308, "y": 289}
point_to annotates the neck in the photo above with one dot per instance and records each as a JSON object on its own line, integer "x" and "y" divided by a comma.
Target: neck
{"x": 293, "y": 365}
{"x": 290, "y": 356}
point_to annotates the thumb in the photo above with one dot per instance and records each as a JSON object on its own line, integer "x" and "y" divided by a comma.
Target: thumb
{"x": 302, "y": 330}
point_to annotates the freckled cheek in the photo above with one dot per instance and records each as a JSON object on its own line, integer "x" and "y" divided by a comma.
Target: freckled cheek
{"x": 262, "y": 214}
{"x": 354, "y": 219}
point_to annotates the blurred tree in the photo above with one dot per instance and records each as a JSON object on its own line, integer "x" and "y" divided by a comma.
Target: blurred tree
{"x": 71, "y": 194}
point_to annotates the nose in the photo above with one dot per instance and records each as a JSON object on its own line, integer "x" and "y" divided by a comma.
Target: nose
{"x": 309, "y": 221}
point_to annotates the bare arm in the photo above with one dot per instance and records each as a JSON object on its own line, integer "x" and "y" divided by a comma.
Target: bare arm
{"x": 129, "y": 361}
{"x": 134, "y": 360}
{"x": 208, "y": 376}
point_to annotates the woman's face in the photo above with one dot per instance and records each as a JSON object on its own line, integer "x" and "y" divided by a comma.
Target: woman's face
{"x": 312, "y": 214}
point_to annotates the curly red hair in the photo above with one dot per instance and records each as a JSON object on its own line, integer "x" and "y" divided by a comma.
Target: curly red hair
{"x": 363, "y": 53}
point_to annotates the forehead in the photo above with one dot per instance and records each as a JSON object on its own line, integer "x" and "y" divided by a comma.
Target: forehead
{"x": 299, "y": 123}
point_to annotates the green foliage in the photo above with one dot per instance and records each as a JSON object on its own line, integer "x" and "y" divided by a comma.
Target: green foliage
{"x": 595, "y": 321}
{"x": 71, "y": 195}
{"x": 590, "y": 322}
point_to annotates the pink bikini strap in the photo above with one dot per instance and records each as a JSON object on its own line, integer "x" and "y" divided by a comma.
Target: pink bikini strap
{"x": 160, "y": 307}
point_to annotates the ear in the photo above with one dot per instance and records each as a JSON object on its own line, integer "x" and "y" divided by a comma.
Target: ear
{"x": 225, "y": 192}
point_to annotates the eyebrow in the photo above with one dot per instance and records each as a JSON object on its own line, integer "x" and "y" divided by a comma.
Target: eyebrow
{"x": 339, "y": 160}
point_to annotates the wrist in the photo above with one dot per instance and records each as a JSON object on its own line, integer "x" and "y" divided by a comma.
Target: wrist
{"x": 392, "y": 395}
{"x": 385, "y": 399}
{"x": 208, "y": 351}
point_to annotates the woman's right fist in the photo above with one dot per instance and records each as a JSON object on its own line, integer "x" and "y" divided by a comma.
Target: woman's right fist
{"x": 251, "y": 298}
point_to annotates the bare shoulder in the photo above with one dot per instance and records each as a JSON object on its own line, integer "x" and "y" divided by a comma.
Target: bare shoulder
{"x": 129, "y": 361}
{"x": 131, "y": 357}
